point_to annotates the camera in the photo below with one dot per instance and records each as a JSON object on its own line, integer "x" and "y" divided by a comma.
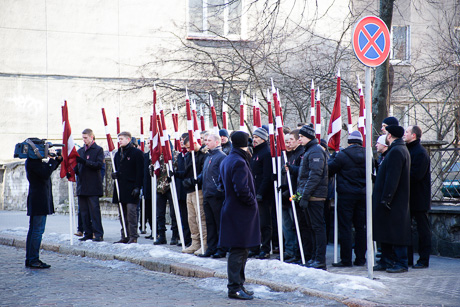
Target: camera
{"x": 35, "y": 148}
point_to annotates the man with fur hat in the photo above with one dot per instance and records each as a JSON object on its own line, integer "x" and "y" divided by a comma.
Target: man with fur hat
{"x": 390, "y": 202}
{"x": 312, "y": 185}
{"x": 350, "y": 166}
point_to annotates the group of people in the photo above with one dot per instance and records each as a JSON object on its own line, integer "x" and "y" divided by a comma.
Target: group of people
{"x": 233, "y": 177}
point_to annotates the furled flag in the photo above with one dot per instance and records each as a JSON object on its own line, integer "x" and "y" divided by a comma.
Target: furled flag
{"x": 69, "y": 152}
{"x": 312, "y": 99}
{"x": 318, "y": 117}
{"x": 335, "y": 124}
{"x": 155, "y": 146}
{"x": 362, "y": 114}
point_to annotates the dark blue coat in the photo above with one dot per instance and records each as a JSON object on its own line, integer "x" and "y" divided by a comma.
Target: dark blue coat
{"x": 420, "y": 177}
{"x": 211, "y": 172}
{"x": 129, "y": 163}
{"x": 262, "y": 170}
{"x": 89, "y": 176}
{"x": 181, "y": 192}
{"x": 239, "y": 224}
{"x": 40, "y": 197}
{"x": 312, "y": 179}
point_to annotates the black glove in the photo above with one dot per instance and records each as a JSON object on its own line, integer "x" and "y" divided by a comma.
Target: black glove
{"x": 68, "y": 175}
{"x": 303, "y": 203}
{"x": 259, "y": 198}
{"x": 274, "y": 177}
{"x": 81, "y": 160}
{"x": 171, "y": 173}
{"x": 386, "y": 205}
{"x": 187, "y": 183}
{"x": 168, "y": 179}
{"x": 135, "y": 193}
{"x": 115, "y": 175}
{"x": 286, "y": 196}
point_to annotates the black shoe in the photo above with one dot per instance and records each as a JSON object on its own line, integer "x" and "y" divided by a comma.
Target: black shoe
{"x": 396, "y": 269}
{"x": 85, "y": 238}
{"x": 263, "y": 255}
{"x": 160, "y": 241}
{"x": 207, "y": 254}
{"x": 292, "y": 260}
{"x": 359, "y": 263}
{"x": 252, "y": 254}
{"x": 379, "y": 267}
{"x": 318, "y": 265}
{"x": 419, "y": 266}
{"x": 341, "y": 265}
{"x": 123, "y": 241}
{"x": 219, "y": 255}
{"x": 149, "y": 237}
{"x": 276, "y": 250}
{"x": 143, "y": 232}
{"x": 98, "y": 239}
{"x": 38, "y": 265}
{"x": 174, "y": 241}
{"x": 241, "y": 295}
{"x": 248, "y": 292}
{"x": 132, "y": 240}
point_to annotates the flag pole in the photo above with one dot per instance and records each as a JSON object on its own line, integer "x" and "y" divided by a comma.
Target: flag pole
{"x": 368, "y": 126}
{"x": 69, "y": 186}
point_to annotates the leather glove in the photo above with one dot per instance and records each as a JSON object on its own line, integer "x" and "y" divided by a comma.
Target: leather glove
{"x": 115, "y": 175}
{"x": 274, "y": 177}
{"x": 168, "y": 179}
{"x": 187, "y": 183}
{"x": 303, "y": 203}
{"x": 68, "y": 175}
{"x": 135, "y": 193}
{"x": 259, "y": 198}
{"x": 81, "y": 160}
{"x": 171, "y": 173}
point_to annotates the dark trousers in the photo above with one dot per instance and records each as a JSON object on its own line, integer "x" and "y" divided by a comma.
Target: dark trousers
{"x": 148, "y": 213}
{"x": 265, "y": 215}
{"x": 235, "y": 268}
{"x": 37, "y": 225}
{"x": 305, "y": 234}
{"x": 212, "y": 207}
{"x": 184, "y": 220}
{"x": 424, "y": 238}
{"x": 91, "y": 216}
{"x": 79, "y": 221}
{"x": 130, "y": 215}
{"x": 314, "y": 215}
{"x": 162, "y": 201}
{"x": 352, "y": 212}
{"x": 394, "y": 256}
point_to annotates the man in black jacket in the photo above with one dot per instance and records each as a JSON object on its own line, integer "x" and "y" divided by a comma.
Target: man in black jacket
{"x": 129, "y": 163}
{"x": 89, "y": 186}
{"x": 261, "y": 166}
{"x": 312, "y": 184}
{"x": 225, "y": 141}
{"x": 420, "y": 195}
{"x": 39, "y": 205}
{"x": 350, "y": 167}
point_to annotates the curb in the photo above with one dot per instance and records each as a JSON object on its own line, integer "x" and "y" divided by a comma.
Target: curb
{"x": 183, "y": 269}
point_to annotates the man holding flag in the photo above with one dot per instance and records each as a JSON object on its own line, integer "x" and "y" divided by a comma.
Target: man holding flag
{"x": 89, "y": 186}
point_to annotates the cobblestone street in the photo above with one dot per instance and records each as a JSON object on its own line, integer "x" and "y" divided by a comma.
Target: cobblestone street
{"x": 77, "y": 281}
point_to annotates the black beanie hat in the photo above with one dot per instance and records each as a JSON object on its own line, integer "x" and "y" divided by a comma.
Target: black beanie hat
{"x": 396, "y": 131}
{"x": 308, "y": 131}
{"x": 240, "y": 139}
{"x": 391, "y": 121}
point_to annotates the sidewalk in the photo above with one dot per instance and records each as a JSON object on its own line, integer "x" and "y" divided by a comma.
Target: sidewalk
{"x": 438, "y": 285}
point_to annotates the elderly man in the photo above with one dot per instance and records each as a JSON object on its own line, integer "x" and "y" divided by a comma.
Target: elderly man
{"x": 240, "y": 228}
{"x": 420, "y": 194}
{"x": 390, "y": 202}
{"x": 129, "y": 164}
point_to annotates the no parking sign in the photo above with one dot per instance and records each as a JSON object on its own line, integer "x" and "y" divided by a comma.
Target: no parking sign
{"x": 371, "y": 41}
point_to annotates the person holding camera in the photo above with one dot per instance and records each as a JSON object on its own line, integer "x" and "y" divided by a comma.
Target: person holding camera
{"x": 129, "y": 164}
{"x": 39, "y": 204}
{"x": 89, "y": 186}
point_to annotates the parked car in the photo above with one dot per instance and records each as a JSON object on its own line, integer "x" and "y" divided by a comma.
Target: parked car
{"x": 451, "y": 183}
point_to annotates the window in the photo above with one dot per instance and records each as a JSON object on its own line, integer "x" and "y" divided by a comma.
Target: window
{"x": 400, "y": 47}
{"x": 402, "y": 114}
{"x": 216, "y": 19}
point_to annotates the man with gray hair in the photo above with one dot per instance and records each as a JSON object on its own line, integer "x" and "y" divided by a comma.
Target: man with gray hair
{"x": 212, "y": 197}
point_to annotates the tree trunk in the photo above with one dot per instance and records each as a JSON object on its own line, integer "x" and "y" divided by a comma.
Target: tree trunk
{"x": 381, "y": 90}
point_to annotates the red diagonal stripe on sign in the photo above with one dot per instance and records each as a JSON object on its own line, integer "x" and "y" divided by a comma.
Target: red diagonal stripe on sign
{"x": 372, "y": 40}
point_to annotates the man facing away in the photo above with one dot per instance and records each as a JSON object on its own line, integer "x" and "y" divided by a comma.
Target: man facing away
{"x": 89, "y": 186}
{"x": 420, "y": 195}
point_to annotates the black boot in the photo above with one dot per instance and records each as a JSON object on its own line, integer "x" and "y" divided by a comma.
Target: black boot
{"x": 161, "y": 239}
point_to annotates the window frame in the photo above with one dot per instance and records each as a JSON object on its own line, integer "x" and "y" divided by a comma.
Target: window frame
{"x": 407, "y": 60}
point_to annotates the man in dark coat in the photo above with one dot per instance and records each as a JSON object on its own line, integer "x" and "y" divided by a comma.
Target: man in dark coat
{"x": 129, "y": 163}
{"x": 420, "y": 195}
{"x": 350, "y": 166}
{"x": 39, "y": 205}
{"x": 240, "y": 228}
{"x": 212, "y": 197}
{"x": 261, "y": 166}
{"x": 312, "y": 185}
{"x": 390, "y": 204}
{"x": 89, "y": 186}
{"x": 225, "y": 141}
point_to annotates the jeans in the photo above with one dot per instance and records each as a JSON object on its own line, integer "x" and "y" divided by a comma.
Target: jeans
{"x": 34, "y": 237}
{"x": 394, "y": 256}
{"x": 290, "y": 235}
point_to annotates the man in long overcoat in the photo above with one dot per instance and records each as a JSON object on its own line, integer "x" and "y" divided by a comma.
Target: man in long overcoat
{"x": 390, "y": 202}
{"x": 239, "y": 228}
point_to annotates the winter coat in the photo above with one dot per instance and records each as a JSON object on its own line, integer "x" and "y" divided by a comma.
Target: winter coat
{"x": 420, "y": 177}
{"x": 350, "y": 166}
{"x": 181, "y": 193}
{"x": 227, "y": 147}
{"x": 147, "y": 180}
{"x": 312, "y": 180}
{"x": 211, "y": 172}
{"x": 40, "y": 197}
{"x": 89, "y": 176}
{"x": 391, "y": 187}
{"x": 129, "y": 164}
{"x": 200, "y": 156}
{"x": 294, "y": 160}
{"x": 262, "y": 170}
{"x": 239, "y": 225}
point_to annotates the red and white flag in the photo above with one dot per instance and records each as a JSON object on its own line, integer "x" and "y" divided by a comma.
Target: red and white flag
{"x": 362, "y": 114}
{"x": 214, "y": 116}
{"x": 69, "y": 152}
{"x": 312, "y": 100}
{"x": 335, "y": 124}
{"x": 318, "y": 117}
{"x": 155, "y": 146}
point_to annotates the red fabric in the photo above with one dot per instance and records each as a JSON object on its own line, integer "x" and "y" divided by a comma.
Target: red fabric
{"x": 69, "y": 152}
{"x": 155, "y": 146}
{"x": 334, "y": 134}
